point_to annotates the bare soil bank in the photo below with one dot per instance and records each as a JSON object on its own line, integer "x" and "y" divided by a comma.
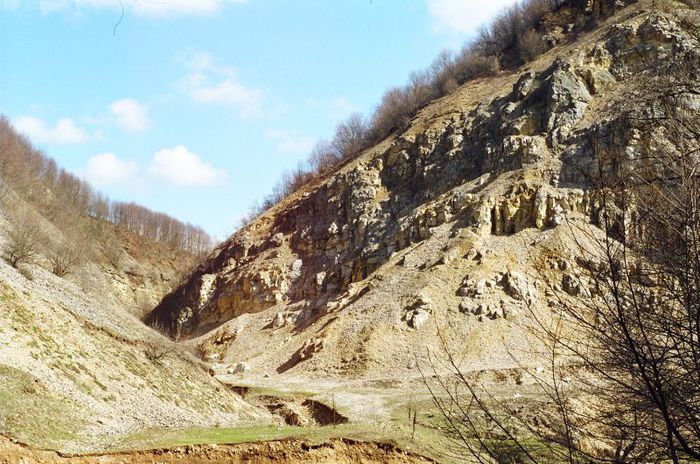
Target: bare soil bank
{"x": 286, "y": 451}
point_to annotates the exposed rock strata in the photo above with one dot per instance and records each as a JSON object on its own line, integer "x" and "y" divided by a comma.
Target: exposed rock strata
{"x": 519, "y": 160}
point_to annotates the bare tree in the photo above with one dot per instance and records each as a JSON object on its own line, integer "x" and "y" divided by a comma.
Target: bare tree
{"x": 350, "y": 136}
{"x": 629, "y": 318}
{"x": 30, "y": 174}
{"x": 23, "y": 240}
{"x": 530, "y": 45}
{"x": 643, "y": 323}
{"x": 64, "y": 257}
{"x": 511, "y": 39}
{"x": 323, "y": 157}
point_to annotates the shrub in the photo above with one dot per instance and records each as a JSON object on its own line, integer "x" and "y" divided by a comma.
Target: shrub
{"x": 530, "y": 45}
{"x": 23, "y": 241}
{"x": 421, "y": 90}
{"x": 442, "y": 72}
{"x": 449, "y": 85}
{"x": 64, "y": 257}
{"x": 391, "y": 113}
{"x": 156, "y": 351}
{"x": 157, "y": 347}
{"x": 114, "y": 254}
{"x": 471, "y": 65}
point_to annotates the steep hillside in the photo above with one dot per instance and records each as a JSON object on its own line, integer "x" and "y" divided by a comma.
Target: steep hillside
{"x": 322, "y": 317}
{"x": 53, "y": 219}
{"x": 105, "y": 260}
{"x": 79, "y": 374}
{"x": 437, "y": 229}
{"x": 78, "y": 369}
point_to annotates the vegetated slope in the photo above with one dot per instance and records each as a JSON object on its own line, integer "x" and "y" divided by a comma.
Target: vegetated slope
{"x": 78, "y": 369}
{"x": 439, "y": 226}
{"x": 120, "y": 251}
{"x": 77, "y": 374}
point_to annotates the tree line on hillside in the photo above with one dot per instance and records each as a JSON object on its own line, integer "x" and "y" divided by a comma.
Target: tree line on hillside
{"x": 512, "y": 39}
{"x": 63, "y": 198}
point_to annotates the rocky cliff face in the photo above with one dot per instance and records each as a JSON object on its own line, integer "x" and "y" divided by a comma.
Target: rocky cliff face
{"x": 498, "y": 158}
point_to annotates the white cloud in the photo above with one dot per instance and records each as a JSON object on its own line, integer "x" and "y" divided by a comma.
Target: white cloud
{"x": 107, "y": 169}
{"x": 337, "y": 108}
{"x": 9, "y": 4}
{"x": 208, "y": 82}
{"x": 228, "y": 92}
{"x": 130, "y": 115}
{"x": 464, "y": 16}
{"x": 49, "y": 6}
{"x": 65, "y": 131}
{"x": 143, "y": 7}
{"x": 290, "y": 141}
{"x": 342, "y": 107}
{"x": 180, "y": 167}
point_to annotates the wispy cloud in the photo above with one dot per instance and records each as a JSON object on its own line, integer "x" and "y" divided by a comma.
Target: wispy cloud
{"x": 107, "y": 169}
{"x": 463, "y": 17}
{"x": 290, "y": 141}
{"x": 337, "y": 108}
{"x": 178, "y": 166}
{"x": 342, "y": 107}
{"x": 65, "y": 131}
{"x": 9, "y": 4}
{"x": 130, "y": 115}
{"x": 142, "y": 7}
{"x": 209, "y": 82}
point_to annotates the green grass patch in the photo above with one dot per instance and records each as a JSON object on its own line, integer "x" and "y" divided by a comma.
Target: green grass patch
{"x": 424, "y": 442}
{"x": 31, "y": 414}
{"x": 166, "y": 438}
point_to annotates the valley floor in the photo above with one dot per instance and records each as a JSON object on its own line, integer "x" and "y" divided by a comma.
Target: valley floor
{"x": 325, "y": 420}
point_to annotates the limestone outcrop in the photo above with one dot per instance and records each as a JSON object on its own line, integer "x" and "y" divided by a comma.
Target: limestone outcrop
{"x": 492, "y": 160}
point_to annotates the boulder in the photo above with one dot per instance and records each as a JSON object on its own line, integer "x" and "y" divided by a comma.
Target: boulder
{"x": 599, "y": 79}
{"x": 517, "y": 286}
{"x": 567, "y": 97}
{"x": 527, "y": 149}
{"x": 419, "y": 318}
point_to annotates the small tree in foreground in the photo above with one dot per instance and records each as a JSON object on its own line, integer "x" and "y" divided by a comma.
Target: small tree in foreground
{"x": 623, "y": 379}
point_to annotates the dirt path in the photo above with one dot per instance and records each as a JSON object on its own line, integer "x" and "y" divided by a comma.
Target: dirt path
{"x": 286, "y": 451}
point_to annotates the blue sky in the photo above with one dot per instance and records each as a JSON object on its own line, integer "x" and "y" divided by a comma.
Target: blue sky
{"x": 196, "y": 107}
